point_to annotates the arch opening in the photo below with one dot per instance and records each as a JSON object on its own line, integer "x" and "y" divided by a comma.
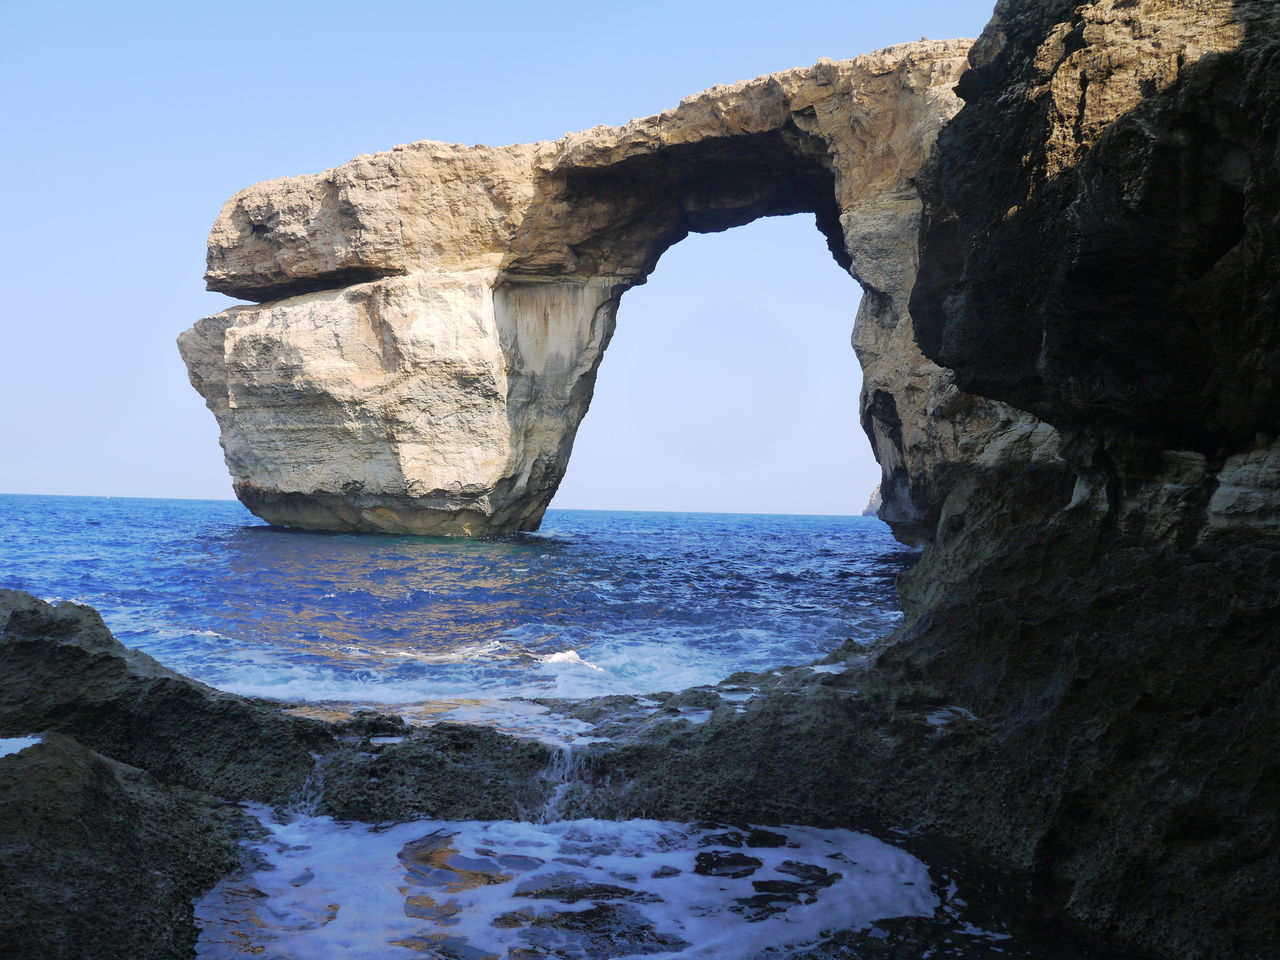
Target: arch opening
{"x": 626, "y": 213}
{"x": 730, "y": 385}
{"x": 461, "y": 298}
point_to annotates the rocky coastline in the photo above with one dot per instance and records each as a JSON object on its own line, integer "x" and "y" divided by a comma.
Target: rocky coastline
{"x": 1074, "y": 400}
{"x": 110, "y": 856}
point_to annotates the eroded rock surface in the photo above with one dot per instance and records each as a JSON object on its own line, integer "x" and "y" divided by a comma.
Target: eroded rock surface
{"x": 101, "y": 861}
{"x": 61, "y": 670}
{"x": 121, "y": 783}
{"x": 447, "y": 771}
{"x": 1101, "y": 247}
{"x": 434, "y": 316}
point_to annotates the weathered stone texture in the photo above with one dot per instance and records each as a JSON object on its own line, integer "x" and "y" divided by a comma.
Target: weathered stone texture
{"x": 101, "y": 861}
{"x": 61, "y": 670}
{"x": 436, "y": 314}
{"x": 1101, "y": 247}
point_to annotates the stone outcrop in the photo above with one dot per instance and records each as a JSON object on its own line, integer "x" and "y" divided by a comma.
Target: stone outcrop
{"x": 101, "y": 861}
{"x": 61, "y": 670}
{"x": 447, "y": 771}
{"x": 433, "y": 317}
{"x": 874, "y": 502}
{"x": 1101, "y": 247}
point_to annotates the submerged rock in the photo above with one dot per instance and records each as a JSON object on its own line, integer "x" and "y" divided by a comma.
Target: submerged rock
{"x": 62, "y": 670}
{"x": 101, "y": 861}
{"x": 572, "y": 888}
{"x": 368, "y": 723}
{"x": 603, "y": 930}
{"x": 715, "y": 863}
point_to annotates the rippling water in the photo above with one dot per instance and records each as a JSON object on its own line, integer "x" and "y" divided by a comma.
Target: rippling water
{"x": 595, "y": 603}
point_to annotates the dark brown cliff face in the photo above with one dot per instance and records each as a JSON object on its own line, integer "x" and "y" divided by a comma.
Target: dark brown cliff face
{"x": 1101, "y": 247}
{"x": 1109, "y": 258}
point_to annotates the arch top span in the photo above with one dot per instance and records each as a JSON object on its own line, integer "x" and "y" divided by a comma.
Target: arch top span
{"x": 429, "y": 320}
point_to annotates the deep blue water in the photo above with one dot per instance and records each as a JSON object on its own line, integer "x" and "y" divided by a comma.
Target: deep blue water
{"x": 596, "y": 602}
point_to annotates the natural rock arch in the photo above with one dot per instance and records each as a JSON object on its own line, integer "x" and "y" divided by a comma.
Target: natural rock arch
{"x": 433, "y": 317}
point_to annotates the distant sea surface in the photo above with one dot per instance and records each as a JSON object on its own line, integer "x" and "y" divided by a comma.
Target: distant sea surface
{"x": 594, "y": 603}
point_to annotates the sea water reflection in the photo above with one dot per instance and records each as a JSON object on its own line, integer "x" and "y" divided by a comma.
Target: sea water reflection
{"x": 594, "y": 603}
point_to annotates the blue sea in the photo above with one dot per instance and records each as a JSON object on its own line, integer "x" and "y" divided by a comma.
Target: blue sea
{"x": 594, "y": 603}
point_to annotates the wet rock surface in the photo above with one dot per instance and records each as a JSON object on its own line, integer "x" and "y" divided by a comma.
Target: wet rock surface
{"x": 604, "y": 930}
{"x": 572, "y": 887}
{"x": 445, "y": 771}
{"x": 733, "y": 864}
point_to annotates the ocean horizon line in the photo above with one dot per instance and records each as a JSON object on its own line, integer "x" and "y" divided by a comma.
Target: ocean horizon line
{"x": 551, "y": 509}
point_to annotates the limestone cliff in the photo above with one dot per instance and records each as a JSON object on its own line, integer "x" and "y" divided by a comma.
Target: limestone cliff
{"x": 1101, "y": 247}
{"x": 874, "y": 502}
{"x": 433, "y": 317}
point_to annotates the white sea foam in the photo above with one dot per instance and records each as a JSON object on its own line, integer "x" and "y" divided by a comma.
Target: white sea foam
{"x": 694, "y": 715}
{"x": 829, "y": 667}
{"x": 10, "y": 745}
{"x": 497, "y": 669}
{"x": 522, "y": 718}
{"x": 354, "y": 891}
{"x": 566, "y": 674}
{"x": 386, "y": 674}
{"x": 570, "y": 656}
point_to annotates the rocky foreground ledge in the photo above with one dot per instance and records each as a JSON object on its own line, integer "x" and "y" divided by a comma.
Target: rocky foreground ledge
{"x": 128, "y": 807}
{"x": 125, "y": 799}
{"x": 118, "y": 803}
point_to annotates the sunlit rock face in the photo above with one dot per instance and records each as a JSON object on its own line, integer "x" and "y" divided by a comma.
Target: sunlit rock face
{"x": 432, "y": 318}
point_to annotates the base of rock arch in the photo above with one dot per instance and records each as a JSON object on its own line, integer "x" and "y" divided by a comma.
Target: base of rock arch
{"x": 435, "y": 404}
{"x": 432, "y": 318}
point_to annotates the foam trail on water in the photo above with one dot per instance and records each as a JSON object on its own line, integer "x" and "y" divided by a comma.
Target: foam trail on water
{"x": 570, "y": 656}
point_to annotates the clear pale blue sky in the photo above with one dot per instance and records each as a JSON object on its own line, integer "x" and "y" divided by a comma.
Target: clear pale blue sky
{"x": 729, "y": 386}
